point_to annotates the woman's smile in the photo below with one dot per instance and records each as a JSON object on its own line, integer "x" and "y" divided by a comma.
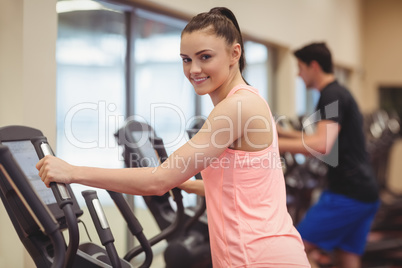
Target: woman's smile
{"x": 199, "y": 80}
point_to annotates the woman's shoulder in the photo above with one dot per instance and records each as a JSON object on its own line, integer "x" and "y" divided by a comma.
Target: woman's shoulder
{"x": 242, "y": 98}
{"x": 247, "y": 97}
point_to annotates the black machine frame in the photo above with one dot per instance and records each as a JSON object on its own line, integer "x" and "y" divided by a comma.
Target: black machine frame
{"x": 39, "y": 225}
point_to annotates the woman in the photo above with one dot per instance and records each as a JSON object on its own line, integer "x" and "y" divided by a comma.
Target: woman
{"x": 235, "y": 149}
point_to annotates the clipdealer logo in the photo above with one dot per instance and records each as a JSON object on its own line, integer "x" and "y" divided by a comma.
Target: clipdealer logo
{"x": 331, "y": 111}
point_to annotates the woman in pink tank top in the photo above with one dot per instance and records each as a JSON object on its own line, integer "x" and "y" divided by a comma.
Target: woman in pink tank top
{"x": 236, "y": 150}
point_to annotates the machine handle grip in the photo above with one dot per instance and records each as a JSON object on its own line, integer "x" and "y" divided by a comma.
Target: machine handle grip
{"x": 132, "y": 222}
{"x": 60, "y": 191}
{"x": 65, "y": 203}
{"x": 98, "y": 216}
{"x": 101, "y": 225}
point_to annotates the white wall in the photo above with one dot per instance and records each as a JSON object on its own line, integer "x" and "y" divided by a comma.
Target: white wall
{"x": 382, "y": 48}
{"x": 28, "y": 31}
{"x": 290, "y": 24}
{"x": 28, "y": 67}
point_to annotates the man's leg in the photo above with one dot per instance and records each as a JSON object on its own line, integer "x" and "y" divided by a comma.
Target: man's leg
{"x": 311, "y": 254}
{"x": 347, "y": 259}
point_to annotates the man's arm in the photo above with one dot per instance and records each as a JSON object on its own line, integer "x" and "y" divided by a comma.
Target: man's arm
{"x": 288, "y": 133}
{"x": 321, "y": 141}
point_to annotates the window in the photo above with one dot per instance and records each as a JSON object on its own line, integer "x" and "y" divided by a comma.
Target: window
{"x": 306, "y": 100}
{"x": 256, "y": 70}
{"x": 391, "y": 103}
{"x": 342, "y": 74}
{"x": 91, "y": 54}
{"x": 163, "y": 96}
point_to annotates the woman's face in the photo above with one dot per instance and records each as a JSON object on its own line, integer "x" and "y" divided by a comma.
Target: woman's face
{"x": 206, "y": 60}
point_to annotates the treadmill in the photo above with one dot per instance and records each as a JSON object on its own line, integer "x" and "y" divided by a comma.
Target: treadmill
{"x": 40, "y": 215}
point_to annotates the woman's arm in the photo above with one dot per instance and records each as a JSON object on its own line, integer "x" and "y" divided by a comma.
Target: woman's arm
{"x": 221, "y": 129}
{"x": 193, "y": 187}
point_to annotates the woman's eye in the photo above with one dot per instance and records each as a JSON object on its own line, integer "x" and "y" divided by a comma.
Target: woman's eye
{"x": 205, "y": 57}
{"x": 185, "y": 60}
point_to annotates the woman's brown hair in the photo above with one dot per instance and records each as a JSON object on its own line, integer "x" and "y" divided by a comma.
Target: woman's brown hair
{"x": 224, "y": 24}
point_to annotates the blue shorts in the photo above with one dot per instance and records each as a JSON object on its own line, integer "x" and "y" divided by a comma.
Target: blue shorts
{"x": 338, "y": 222}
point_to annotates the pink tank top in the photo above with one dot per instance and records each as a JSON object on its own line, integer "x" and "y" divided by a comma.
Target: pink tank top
{"x": 249, "y": 225}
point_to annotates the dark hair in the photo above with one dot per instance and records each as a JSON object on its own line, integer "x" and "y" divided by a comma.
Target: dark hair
{"x": 318, "y": 52}
{"x": 224, "y": 24}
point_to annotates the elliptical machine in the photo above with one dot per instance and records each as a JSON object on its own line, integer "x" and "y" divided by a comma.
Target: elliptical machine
{"x": 40, "y": 215}
{"x": 185, "y": 230}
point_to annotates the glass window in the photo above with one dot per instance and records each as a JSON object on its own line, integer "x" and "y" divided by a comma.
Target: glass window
{"x": 300, "y": 96}
{"x": 306, "y": 100}
{"x": 342, "y": 74}
{"x": 163, "y": 97}
{"x": 256, "y": 70}
{"x": 91, "y": 52}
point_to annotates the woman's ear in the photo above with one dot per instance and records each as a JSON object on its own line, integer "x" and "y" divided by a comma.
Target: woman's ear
{"x": 236, "y": 53}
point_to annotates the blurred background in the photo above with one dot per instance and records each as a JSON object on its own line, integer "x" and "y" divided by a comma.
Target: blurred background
{"x": 78, "y": 69}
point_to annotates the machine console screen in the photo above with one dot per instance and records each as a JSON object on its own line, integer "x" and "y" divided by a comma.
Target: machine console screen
{"x": 26, "y": 157}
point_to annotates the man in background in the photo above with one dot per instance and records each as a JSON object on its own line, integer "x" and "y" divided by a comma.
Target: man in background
{"x": 341, "y": 219}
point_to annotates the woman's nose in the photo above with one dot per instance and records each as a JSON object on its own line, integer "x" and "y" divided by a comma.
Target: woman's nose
{"x": 195, "y": 68}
